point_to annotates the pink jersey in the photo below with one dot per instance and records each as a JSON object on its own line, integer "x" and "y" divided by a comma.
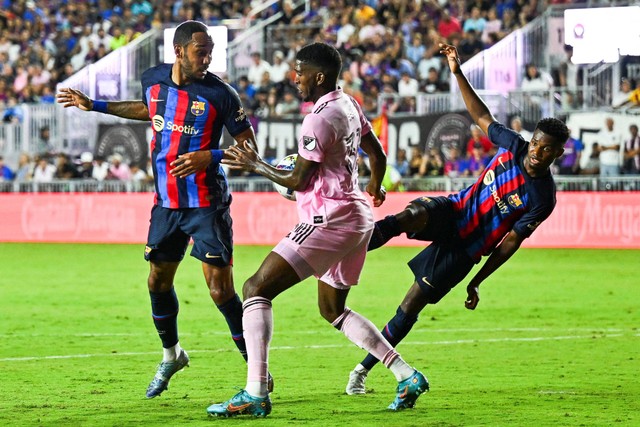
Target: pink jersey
{"x": 330, "y": 136}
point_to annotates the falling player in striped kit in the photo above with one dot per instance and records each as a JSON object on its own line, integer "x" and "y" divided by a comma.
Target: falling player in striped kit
{"x": 188, "y": 108}
{"x": 510, "y": 199}
{"x": 330, "y": 242}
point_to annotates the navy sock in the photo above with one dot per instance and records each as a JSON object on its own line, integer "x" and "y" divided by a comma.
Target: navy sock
{"x": 384, "y": 230}
{"x": 232, "y": 312}
{"x": 164, "y": 310}
{"x": 394, "y": 331}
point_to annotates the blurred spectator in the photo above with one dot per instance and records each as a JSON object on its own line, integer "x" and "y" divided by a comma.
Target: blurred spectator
{"x": 64, "y": 168}
{"x": 363, "y": 166}
{"x": 568, "y": 79}
{"x": 408, "y": 86}
{"x": 118, "y": 169}
{"x": 257, "y": 69}
{"x": 279, "y": 69}
{"x": 455, "y": 165}
{"x": 402, "y": 163}
{"x": 24, "y": 172}
{"x": 432, "y": 84}
{"x": 432, "y": 163}
{"x": 592, "y": 165}
{"x": 478, "y": 160}
{"x": 478, "y": 137}
{"x": 288, "y": 105}
{"x": 448, "y": 25}
{"x": 44, "y": 141}
{"x": 516, "y": 124}
{"x": 85, "y": 170}
{"x": 100, "y": 168}
{"x": 138, "y": 175}
{"x": 492, "y": 26}
{"x": 415, "y": 161}
{"x": 475, "y": 22}
{"x": 44, "y": 171}
{"x": 13, "y": 111}
{"x": 631, "y": 164}
{"x": 6, "y": 174}
{"x": 569, "y": 162}
{"x": 425, "y": 65}
{"x": 416, "y": 50}
{"x": 351, "y": 85}
{"x": 609, "y": 141}
{"x": 538, "y": 83}
{"x": 621, "y": 98}
{"x": 470, "y": 45}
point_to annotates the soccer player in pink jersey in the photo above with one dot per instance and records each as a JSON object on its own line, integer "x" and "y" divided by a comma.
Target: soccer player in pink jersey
{"x": 330, "y": 242}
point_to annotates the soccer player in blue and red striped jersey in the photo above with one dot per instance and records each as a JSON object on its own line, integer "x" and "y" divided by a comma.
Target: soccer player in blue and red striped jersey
{"x": 512, "y": 196}
{"x": 188, "y": 108}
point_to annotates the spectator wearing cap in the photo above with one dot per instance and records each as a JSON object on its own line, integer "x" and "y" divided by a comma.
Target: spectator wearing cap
{"x": 280, "y": 68}
{"x": 85, "y": 170}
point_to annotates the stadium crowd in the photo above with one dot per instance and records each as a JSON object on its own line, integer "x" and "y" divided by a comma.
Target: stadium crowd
{"x": 388, "y": 47}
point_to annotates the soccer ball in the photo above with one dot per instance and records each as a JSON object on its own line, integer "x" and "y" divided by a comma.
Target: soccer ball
{"x": 287, "y": 163}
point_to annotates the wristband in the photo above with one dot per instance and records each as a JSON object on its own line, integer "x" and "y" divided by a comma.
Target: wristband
{"x": 100, "y": 106}
{"x": 216, "y": 156}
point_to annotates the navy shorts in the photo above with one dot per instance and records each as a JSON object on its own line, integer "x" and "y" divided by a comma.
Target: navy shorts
{"x": 171, "y": 229}
{"x": 444, "y": 263}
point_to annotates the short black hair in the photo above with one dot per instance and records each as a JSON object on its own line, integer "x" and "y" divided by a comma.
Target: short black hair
{"x": 323, "y": 56}
{"x": 185, "y": 31}
{"x": 555, "y": 128}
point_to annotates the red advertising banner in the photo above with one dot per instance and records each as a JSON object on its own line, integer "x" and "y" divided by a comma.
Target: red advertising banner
{"x": 580, "y": 220}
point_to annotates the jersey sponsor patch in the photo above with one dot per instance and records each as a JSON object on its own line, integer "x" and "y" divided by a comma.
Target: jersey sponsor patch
{"x": 309, "y": 142}
{"x": 318, "y": 219}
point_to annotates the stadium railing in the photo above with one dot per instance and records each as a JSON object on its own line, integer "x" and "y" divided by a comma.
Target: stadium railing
{"x": 257, "y": 184}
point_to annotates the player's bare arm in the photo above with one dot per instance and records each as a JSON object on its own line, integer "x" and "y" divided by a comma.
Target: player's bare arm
{"x": 135, "y": 110}
{"x": 244, "y": 157}
{"x": 195, "y": 161}
{"x": 370, "y": 144}
{"x": 509, "y": 245}
{"x": 475, "y": 105}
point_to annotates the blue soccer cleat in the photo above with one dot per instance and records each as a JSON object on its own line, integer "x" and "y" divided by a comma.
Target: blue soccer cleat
{"x": 409, "y": 390}
{"x": 165, "y": 371}
{"x": 242, "y": 403}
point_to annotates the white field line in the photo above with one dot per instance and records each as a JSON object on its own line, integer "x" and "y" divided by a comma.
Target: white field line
{"x": 346, "y": 345}
{"x": 323, "y": 331}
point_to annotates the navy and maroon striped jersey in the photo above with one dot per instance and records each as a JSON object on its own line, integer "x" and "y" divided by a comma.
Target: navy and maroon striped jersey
{"x": 184, "y": 119}
{"x": 504, "y": 197}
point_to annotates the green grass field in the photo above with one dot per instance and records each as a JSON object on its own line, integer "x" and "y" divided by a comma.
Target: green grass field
{"x": 554, "y": 342}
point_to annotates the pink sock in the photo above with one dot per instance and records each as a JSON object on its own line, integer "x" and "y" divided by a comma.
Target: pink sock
{"x": 365, "y": 335}
{"x": 257, "y": 325}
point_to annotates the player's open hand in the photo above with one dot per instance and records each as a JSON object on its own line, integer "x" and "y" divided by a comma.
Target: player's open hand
{"x": 241, "y": 156}
{"x": 74, "y": 98}
{"x": 452, "y": 56}
{"x": 189, "y": 163}
{"x": 473, "y": 297}
{"x": 379, "y": 195}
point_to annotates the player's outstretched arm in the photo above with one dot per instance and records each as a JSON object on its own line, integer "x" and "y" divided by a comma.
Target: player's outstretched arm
{"x": 378, "y": 163}
{"x": 475, "y": 105}
{"x": 244, "y": 157}
{"x": 135, "y": 110}
{"x": 499, "y": 256}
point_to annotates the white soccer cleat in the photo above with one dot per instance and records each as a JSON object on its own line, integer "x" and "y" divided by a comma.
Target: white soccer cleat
{"x": 357, "y": 377}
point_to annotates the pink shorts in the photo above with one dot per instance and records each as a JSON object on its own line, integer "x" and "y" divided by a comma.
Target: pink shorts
{"x": 336, "y": 257}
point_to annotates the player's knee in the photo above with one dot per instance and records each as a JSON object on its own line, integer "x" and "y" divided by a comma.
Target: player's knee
{"x": 251, "y": 288}
{"x": 330, "y": 312}
{"x": 413, "y": 218}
